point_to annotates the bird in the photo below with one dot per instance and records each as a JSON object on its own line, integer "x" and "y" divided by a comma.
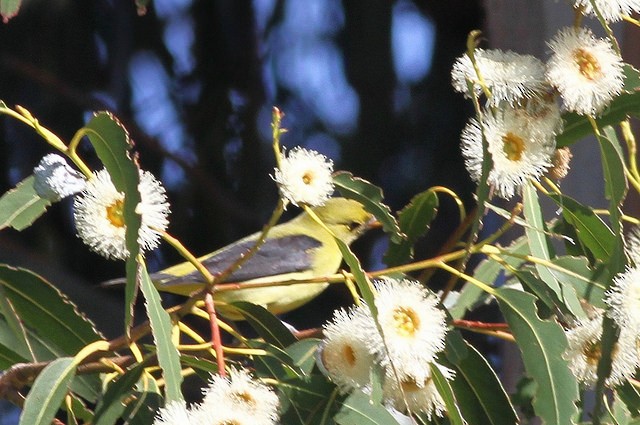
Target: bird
{"x": 298, "y": 249}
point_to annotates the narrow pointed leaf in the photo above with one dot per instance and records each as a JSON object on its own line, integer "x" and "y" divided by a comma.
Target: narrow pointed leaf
{"x": 591, "y": 230}
{"x": 414, "y": 221}
{"x": 537, "y": 236}
{"x": 21, "y": 206}
{"x": 446, "y": 392}
{"x": 485, "y": 386}
{"x": 542, "y": 344}
{"x": 577, "y": 126}
{"x": 357, "y": 409}
{"x": 112, "y": 145}
{"x": 111, "y": 406}
{"x": 47, "y": 393}
{"x": 42, "y": 307}
{"x": 613, "y": 169}
{"x": 370, "y": 196}
{"x": 266, "y": 324}
{"x": 303, "y": 354}
{"x": 8, "y": 357}
{"x": 168, "y": 355}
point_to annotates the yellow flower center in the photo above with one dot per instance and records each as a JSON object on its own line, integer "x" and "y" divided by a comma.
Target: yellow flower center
{"x": 406, "y": 321}
{"x": 349, "y": 355}
{"x": 115, "y": 213}
{"x": 592, "y": 351}
{"x": 512, "y": 146}
{"x": 409, "y": 385}
{"x": 307, "y": 178}
{"x": 245, "y": 398}
{"x": 588, "y": 64}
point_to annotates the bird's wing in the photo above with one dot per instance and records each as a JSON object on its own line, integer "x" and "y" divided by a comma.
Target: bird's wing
{"x": 286, "y": 254}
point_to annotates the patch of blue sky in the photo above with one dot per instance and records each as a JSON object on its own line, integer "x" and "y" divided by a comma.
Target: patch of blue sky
{"x": 178, "y": 37}
{"x": 155, "y": 111}
{"x": 412, "y": 41}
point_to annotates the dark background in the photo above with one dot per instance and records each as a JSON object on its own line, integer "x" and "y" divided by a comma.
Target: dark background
{"x": 365, "y": 82}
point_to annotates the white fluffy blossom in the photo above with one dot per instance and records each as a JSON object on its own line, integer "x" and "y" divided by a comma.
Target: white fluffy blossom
{"x": 344, "y": 353}
{"x": 521, "y": 148}
{"x": 238, "y": 396}
{"x": 174, "y": 413}
{"x": 55, "y": 179}
{"x": 304, "y": 177}
{"x": 99, "y": 215}
{"x": 413, "y": 326}
{"x": 416, "y": 395}
{"x": 584, "y": 351}
{"x": 511, "y": 77}
{"x": 611, "y": 10}
{"x": 585, "y": 69}
{"x": 623, "y": 298}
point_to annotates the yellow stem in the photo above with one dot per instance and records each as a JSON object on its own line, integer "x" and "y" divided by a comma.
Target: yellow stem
{"x": 631, "y": 20}
{"x": 488, "y": 289}
{"x": 456, "y": 198}
{"x": 494, "y": 250}
{"x": 630, "y": 139}
{"x": 552, "y": 185}
{"x": 246, "y": 351}
{"x": 472, "y": 44}
{"x": 182, "y": 250}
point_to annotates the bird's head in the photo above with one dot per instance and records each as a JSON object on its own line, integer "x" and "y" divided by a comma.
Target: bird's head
{"x": 346, "y": 218}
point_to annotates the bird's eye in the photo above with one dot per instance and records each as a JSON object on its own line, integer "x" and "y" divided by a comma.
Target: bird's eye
{"x": 353, "y": 226}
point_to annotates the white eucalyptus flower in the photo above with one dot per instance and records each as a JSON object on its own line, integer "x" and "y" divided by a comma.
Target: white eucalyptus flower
{"x": 304, "y": 177}
{"x": 99, "y": 215}
{"x": 585, "y": 69}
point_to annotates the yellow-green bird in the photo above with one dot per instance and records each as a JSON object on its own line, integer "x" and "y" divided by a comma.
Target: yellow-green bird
{"x": 298, "y": 249}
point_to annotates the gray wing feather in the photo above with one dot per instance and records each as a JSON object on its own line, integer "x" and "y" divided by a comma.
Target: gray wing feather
{"x": 287, "y": 254}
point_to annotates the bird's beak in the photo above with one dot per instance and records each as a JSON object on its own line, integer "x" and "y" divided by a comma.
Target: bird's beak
{"x": 372, "y": 223}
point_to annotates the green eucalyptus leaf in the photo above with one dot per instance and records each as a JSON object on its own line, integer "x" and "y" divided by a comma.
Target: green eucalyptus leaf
{"x": 303, "y": 354}
{"x": 168, "y": 355}
{"x": 370, "y": 196}
{"x": 8, "y": 357}
{"x": 591, "y": 230}
{"x": 616, "y": 185}
{"x": 577, "y": 127}
{"x": 536, "y": 234}
{"x": 42, "y": 307}
{"x": 542, "y": 344}
{"x": 276, "y": 363}
{"x": 48, "y": 391}
{"x": 631, "y": 78}
{"x": 308, "y": 400}
{"x": 21, "y": 206}
{"x": 9, "y": 9}
{"x": 266, "y": 324}
{"x": 414, "y": 221}
{"x": 446, "y": 392}
{"x": 479, "y": 391}
{"x": 79, "y": 411}
{"x": 630, "y": 396}
{"x": 588, "y": 281}
{"x": 357, "y": 409}
{"x": 362, "y": 281}
{"x": 111, "y": 406}
{"x": 487, "y": 271}
{"x": 112, "y": 145}
{"x": 204, "y": 368}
